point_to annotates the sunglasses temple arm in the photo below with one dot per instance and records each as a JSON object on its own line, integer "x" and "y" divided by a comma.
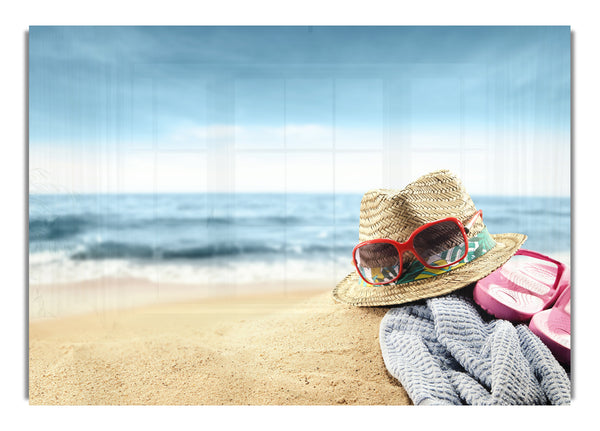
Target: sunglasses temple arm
{"x": 469, "y": 224}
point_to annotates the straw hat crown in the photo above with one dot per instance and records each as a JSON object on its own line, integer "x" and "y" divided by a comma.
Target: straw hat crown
{"x": 395, "y": 214}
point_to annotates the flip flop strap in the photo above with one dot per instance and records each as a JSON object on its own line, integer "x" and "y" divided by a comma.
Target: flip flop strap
{"x": 535, "y": 254}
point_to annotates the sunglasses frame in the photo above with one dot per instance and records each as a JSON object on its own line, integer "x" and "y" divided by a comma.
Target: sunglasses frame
{"x": 402, "y": 247}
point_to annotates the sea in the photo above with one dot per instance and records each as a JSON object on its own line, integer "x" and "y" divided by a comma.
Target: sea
{"x": 235, "y": 239}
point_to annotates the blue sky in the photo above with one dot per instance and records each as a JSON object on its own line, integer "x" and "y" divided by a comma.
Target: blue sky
{"x": 119, "y": 101}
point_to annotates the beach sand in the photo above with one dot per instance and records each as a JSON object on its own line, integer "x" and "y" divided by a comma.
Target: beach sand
{"x": 290, "y": 348}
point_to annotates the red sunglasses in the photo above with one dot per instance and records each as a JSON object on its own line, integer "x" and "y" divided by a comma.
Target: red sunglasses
{"x": 437, "y": 244}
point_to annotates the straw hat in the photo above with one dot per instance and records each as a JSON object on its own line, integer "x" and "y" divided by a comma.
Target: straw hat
{"x": 395, "y": 214}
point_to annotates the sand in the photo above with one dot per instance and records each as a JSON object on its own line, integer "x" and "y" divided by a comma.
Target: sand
{"x": 293, "y": 348}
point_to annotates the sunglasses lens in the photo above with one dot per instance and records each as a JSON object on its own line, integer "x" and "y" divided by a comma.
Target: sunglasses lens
{"x": 440, "y": 244}
{"x": 378, "y": 263}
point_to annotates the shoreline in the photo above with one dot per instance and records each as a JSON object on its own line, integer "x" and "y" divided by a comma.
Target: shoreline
{"x": 56, "y": 300}
{"x": 294, "y": 348}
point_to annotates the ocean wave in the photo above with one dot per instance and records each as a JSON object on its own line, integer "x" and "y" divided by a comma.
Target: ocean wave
{"x": 215, "y": 250}
{"x": 128, "y": 235}
{"x": 120, "y": 250}
{"x": 68, "y": 226}
{"x": 58, "y": 227}
{"x": 212, "y": 221}
{"x": 113, "y": 250}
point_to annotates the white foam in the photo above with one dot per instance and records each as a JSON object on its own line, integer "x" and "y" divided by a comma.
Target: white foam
{"x": 49, "y": 268}
{"x": 44, "y": 257}
{"x": 49, "y": 297}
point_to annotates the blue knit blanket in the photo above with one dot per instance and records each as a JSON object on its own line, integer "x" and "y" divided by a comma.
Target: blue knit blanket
{"x": 446, "y": 352}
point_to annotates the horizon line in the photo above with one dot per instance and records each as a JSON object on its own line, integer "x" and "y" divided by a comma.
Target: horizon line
{"x": 150, "y": 193}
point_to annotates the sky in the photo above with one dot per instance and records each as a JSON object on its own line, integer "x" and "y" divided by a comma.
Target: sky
{"x": 298, "y": 109}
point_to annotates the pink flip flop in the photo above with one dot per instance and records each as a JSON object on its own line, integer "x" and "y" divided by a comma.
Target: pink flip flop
{"x": 518, "y": 290}
{"x": 553, "y": 326}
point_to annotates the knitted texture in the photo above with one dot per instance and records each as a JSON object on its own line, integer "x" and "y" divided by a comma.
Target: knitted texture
{"x": 446, "y": 352}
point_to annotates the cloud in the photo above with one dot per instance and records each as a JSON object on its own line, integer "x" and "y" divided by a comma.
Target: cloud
{"x": 308, "y": 158}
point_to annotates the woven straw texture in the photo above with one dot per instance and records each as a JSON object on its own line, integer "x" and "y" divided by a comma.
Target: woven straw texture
{"x": 395, "y": 214}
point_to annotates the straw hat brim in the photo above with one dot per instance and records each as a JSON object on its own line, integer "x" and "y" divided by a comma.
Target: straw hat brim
{"x": 350, "y": 291}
